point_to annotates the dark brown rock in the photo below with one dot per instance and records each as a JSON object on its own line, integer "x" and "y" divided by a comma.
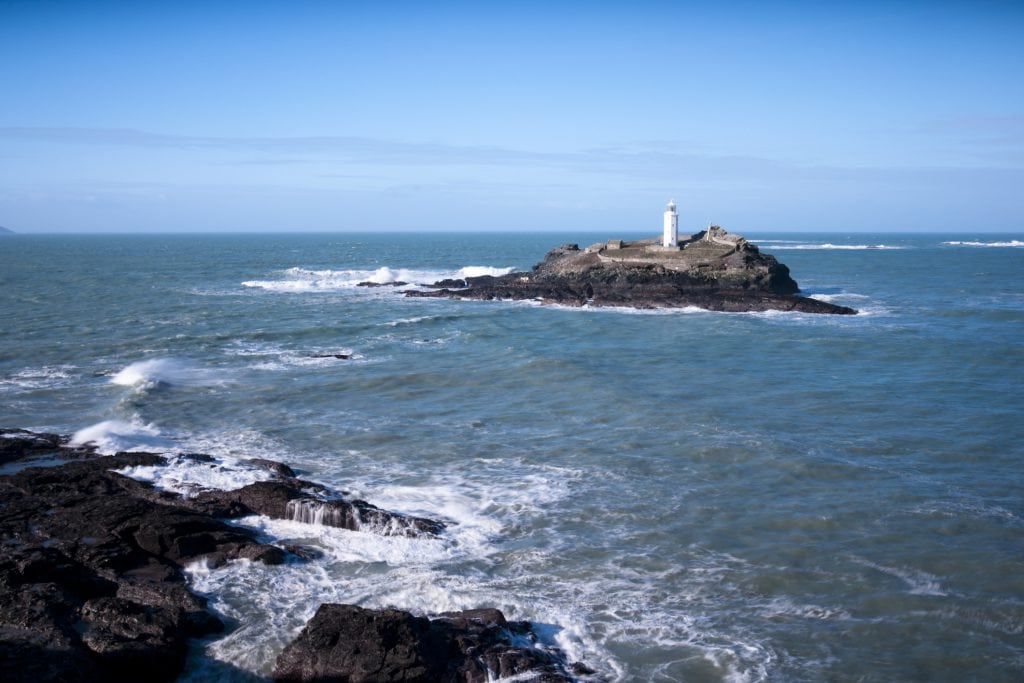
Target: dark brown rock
{"x": 350, "y": 643}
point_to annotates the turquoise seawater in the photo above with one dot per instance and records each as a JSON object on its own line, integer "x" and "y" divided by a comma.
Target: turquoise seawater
{"x": 683, "y": 496}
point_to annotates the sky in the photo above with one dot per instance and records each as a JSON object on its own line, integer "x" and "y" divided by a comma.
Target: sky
{"x": 478, "y": 116}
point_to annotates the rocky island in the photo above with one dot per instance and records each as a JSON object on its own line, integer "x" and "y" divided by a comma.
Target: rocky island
{"x": 711, "y": 269}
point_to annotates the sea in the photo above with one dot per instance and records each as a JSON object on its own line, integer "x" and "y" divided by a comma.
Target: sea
{"x": 667, "y": 496}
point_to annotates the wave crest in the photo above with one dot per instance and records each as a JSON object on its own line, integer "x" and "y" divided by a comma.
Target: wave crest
{"x": 1011, "y": 243}
{"x": 299, "y": 280}
{"x": 157, "y": 371}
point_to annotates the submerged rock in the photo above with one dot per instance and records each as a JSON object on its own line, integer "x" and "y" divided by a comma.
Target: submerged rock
{"x": 711, "y": 270}
{"x": 350, "y": 643}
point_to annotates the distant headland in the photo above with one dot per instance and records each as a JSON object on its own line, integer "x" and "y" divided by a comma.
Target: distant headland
{"x": 710, "y": 269}
{"x": 5, "y": 231}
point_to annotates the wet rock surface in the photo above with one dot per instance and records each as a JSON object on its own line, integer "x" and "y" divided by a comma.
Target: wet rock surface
{"x": 350, "y": 643}
{"x": 719, "y": 272}
{"x": 92, "y": 586}
{"x": 21, "y": 444}
{"x": 91, "y": 581}
{"x": 291, "y": 498}
{"x": 91, "y": 561}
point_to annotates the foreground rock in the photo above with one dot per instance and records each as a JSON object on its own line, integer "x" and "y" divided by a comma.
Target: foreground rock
{"x": 92, "y": 586}
{"x": 21, "y": 444}
{"x": 711, "y": 270}
{"x": 350, "y": 643}
{"x": 91, "y": 581}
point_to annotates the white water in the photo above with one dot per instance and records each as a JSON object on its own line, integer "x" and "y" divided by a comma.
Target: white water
{"x": 1011, "y": 243}
{"x": 164, "y": 371}
{"x": 110, "y": 436}
{"x": 306, "y": 280}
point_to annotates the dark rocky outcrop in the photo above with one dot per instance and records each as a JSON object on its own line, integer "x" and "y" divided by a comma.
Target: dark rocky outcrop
{"x": 91, "y": 561}
{"x": 713, "y": 270}
{"x": 21, "y": 444}
{"x": 397, "y": 283}
{"x": 91, "y": 582}
{"x": 350, "y": 643}
{"x": 291, "y": 499}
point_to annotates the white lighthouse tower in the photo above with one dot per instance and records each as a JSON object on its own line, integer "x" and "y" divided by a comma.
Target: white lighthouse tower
{"x": 671, "y": 234}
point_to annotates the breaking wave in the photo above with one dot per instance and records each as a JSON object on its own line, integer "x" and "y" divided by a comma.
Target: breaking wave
{"x": 306, "y": 280}
{"x": 163, "y": 371}
{"x": 829, "y": 245}
{"x": 1011, "y": 243}
{"x": 111, "y": 436}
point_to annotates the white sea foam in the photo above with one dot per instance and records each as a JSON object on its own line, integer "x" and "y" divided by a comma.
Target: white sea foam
{"x": 408, "y": 321}
{"x": 111, "y": 436}
{"x": 841, "y": 296}
{"x": 919, "y": 582}
{"x": 788, "y": 608}
{"x": 46, "y": 377}
{"x": 277, "y": 358}
{"x": 829, "y": 245}
{"x": 306, "y": 280}
{"x": 188, "y": 476}
{"x": 169, "y": 371}
{"x": 1011, "y": 243}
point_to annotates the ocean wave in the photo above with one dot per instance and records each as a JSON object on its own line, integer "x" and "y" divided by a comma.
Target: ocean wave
{"x": 1011, "y": 243}
{"x": 46, "y": 377}
{"x": 297, "y": 280}
{"x": 111, "y": 436}
{"x": 163, "y": 371}
{"x": 829, "y": 245}
{"x": 831, "y": 298}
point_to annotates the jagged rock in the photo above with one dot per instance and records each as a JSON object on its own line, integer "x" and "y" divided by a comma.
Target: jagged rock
{"x": 397, "y": 283}
{"x": 350, "y": 643}
{"x": 290, "y": 499}
{"x": 720, "y": 272}
{"x": 451, "y": 283}
{"x": 278, "y": 468}
{"x": 91, "y": 582}
{"x": 21, "y": 444}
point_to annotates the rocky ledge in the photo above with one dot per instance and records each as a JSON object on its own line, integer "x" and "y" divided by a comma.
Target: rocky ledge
{"x": 349, "y": 643}
{"x": 712, "y": 270}
{"x": 92, "y": 583}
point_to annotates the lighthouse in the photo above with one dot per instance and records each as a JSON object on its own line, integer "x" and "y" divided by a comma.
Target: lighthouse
{"x": 671, "y": 235}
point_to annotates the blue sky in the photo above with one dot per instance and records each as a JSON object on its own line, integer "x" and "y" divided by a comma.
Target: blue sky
{"x": 511, "y": 116}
